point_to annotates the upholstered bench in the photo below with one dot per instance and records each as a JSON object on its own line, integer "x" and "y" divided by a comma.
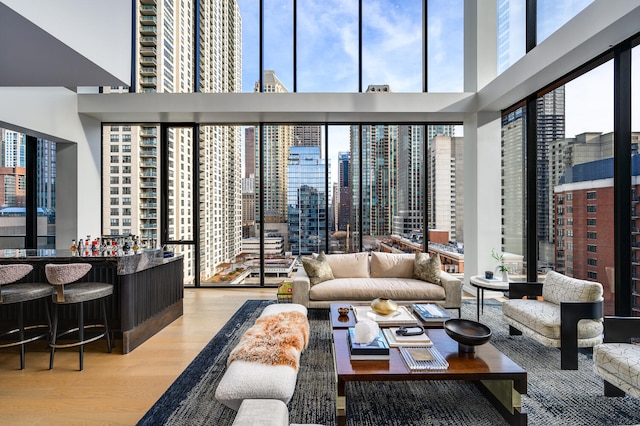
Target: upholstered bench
{"x": 562, "y": 312}
{"x": 264, "y": 364}
{"x": 263, "y": 412}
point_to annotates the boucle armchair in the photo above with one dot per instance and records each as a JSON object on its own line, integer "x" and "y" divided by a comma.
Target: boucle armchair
{"x": 561, "y": 312}
{"x": 617, "y": 360}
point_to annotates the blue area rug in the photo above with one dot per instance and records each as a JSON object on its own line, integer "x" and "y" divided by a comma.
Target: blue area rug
{"x": 555, "y": 397}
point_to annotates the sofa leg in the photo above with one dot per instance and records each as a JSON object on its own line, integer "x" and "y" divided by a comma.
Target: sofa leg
{"x": 612, "y": 390}
{"x": 514, "y": 331}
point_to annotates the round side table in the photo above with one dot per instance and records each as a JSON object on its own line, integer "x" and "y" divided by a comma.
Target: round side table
{"x": 481, "y": 284}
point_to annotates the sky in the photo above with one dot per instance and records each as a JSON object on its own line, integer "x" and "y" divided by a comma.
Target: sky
{"x": 392, "y": 53}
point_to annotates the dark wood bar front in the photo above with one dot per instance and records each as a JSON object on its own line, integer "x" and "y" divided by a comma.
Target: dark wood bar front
{"x": 148, "y": 290}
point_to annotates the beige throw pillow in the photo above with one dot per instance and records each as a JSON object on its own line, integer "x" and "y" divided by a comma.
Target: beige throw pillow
{"x": 317, "y": 269}
{"x": 349, "y": 265}
{"x": 427, "y": 268}
{"x": 391, "y": 265}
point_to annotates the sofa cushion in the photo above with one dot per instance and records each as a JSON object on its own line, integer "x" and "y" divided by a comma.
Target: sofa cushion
{"x": 544, "y": 318}
{"x": 427, "y": 268}
{"x": 350, "y": 265}
{"x": 367, "y": 289}
{"x": 621, "y": 360}
{"x": 317, "y": 269}
{"x": 391, "y": 265}
{"x": 559, "y": 288}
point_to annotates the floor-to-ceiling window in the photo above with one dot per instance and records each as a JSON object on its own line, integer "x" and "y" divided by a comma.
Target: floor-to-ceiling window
{"x": 575, "y": 184}
{"x": 27, "y": 212}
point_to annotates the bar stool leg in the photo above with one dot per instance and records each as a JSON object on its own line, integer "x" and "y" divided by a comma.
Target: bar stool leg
{"x": 81, "y": 333}
{"x": 21, "y": 332}
{"x": 54, "y": 333}
{"x": 106, "y": 324}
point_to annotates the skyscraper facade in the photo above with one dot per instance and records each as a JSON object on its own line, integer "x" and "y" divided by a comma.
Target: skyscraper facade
{"x": 445, "y": 186}
{"x": 410, "y": 170}
{"x": 166, "y": 60}
{"x": 276, "y": 143}
{"x": 344, "y": 190}
{"x": 306, "y": 200}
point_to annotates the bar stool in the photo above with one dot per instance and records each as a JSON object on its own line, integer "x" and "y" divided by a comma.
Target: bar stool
{"x": 69, "y": 292}
{"x": 12, "y": 292}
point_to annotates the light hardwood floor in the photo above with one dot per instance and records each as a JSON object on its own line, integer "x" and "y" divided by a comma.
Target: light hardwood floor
{"x": 113, "y": 389}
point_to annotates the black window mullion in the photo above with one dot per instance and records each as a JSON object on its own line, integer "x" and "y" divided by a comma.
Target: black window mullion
{"x": 531, "y": 147}
{"x": 622, "y": 178}
{"x": 531, "y": 25}
{"x": 31, "y": 199}
{"x": 328, "y": 213}
{"x": 425, "y": 188}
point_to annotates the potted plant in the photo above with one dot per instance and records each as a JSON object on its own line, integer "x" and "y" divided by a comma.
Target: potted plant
{"x": 501, "y": 268}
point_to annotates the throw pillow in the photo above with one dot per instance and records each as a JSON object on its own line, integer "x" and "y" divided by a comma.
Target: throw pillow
{"x": 427, "y": 268}
{"x": 391, "y": 265}
{"x": 350, "y": 265}
{"x": 318, "y": 269}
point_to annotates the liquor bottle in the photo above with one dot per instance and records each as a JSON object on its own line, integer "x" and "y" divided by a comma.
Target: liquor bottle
{"x": 135, "y": 245}
{"x": 73, "y": 247}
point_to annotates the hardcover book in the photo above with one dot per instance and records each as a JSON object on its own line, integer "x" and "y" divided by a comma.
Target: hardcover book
{"x": 378, "y": 347}
{"x": 429, "y": 312}
{"x": 395, "y": 340}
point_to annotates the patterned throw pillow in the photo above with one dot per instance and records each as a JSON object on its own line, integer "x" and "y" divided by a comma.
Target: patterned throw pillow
{"x": 318, "y": 269}
{"x": 427, "y": 268}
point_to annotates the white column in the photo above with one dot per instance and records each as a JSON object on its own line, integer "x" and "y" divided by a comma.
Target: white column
{"x": 482, "y": 134}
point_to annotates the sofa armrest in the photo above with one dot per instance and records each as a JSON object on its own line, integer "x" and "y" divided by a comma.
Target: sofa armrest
{"x": 517, "y": 290}
{"x": 452, "y": 290}
{"x": 621, "y": 329}
{"x": 301, "y": 286}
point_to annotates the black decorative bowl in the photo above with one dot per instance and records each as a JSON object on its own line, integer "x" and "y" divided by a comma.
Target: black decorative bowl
{"x": 467, "y": 333}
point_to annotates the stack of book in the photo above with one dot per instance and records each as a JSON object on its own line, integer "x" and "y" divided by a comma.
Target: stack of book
{"x": 377, "y": 349}
{"x": 396, "y": 340}
{"x": 430, "y": 312}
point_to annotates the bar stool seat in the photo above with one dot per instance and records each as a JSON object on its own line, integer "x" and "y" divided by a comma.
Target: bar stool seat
{"x": 69, "y": 292}
{"x": 13, "y": 293}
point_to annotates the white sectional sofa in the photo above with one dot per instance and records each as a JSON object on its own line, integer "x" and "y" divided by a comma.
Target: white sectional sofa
{"x": 362, "y": 277}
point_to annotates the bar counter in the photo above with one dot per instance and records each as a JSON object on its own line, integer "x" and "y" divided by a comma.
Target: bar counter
{"x": 148, "y": 290}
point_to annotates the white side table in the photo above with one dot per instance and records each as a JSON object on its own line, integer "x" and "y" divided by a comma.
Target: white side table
{"x": 481, "y": 284}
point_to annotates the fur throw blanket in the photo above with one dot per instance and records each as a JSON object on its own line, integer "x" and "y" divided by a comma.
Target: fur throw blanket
{"x": 274, "y": 340}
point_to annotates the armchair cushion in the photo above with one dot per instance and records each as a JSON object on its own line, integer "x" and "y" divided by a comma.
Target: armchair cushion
{"x": 619, "y": 360}
{"x": 544, "y": 318}
{"x": 559, "y": 288}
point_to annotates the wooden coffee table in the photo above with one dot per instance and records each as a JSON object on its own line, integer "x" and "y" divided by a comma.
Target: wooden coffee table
{"x": 500, "y": 379}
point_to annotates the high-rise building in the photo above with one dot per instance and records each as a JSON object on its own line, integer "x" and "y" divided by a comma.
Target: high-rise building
{"x": 307, "y": 135}
{"x": 249, "y": 152}
{"x": 165, "y": 62}
{"x": 275, "y": 145}
{"x": 513, "y": 181}
{"x": 344, "y": 190}
{"x": 445, "y": 186}
{"x": 307, "y": 207}
{"x": 410, "y": 170}
{"x": 551, "y": 125}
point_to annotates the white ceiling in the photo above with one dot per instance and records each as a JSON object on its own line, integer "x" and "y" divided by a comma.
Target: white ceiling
{"x": 33, "y": 56}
